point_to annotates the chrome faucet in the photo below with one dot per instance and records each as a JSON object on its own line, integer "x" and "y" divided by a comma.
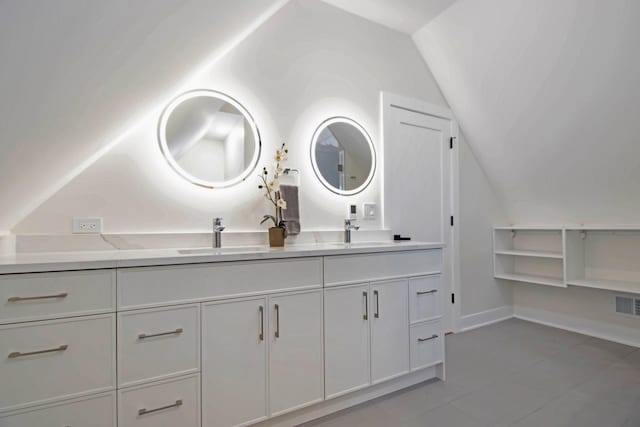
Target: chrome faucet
{"x": 348, "y": 226}
{"x": 217, "y": 232}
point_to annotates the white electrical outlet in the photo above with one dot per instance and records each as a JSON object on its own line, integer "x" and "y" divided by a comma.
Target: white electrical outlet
{"x": 369, "y": 210}
{"x": 87, "y": 225}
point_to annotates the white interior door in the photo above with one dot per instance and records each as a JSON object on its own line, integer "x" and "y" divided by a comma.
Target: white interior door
{"x": 418, "y": 165}
{"x": 346, "y": 338}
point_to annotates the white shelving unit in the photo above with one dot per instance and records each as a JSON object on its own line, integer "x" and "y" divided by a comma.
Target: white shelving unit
{"x": 597, "y": 257}
{"x": 529, "y": 254}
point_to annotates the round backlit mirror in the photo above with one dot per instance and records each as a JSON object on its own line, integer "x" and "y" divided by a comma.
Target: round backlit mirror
{"x": 343, "y": 156}
{"x": 209, "y": 138}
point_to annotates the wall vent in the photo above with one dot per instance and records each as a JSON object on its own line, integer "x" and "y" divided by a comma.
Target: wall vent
{"x": 627, "y": 305}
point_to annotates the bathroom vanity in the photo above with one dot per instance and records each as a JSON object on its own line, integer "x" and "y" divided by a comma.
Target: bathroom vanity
{"x": 215, "y": 339}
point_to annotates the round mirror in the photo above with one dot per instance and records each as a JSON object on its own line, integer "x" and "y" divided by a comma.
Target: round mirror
{"x": 209, "y": 138}
{"x": 343, "y": 156}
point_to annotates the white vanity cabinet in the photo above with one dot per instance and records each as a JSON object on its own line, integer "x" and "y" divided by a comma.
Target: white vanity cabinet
{"x": 370, "y": 326}
{"x": 347, "y": 342}
{"x": 275, "y": 342}
{"x": 296, "y": 377}
{"x": 261, "y": 357}
{"x": 389, "y": 330}
{"x": 234, "y": 362}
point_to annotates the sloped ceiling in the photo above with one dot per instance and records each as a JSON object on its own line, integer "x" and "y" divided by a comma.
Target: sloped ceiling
{"x": 548, "y": 94}
{"x": 54, "y": 115}
{"x": 406, "y": 16}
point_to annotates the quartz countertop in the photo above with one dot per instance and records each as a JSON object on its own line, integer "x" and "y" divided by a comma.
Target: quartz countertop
{"x": 63, "y": 261}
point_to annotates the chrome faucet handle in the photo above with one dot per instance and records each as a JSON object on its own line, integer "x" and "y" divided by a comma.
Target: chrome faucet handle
{"x": 349, "y": 226}
{"x": 217, "y": 224}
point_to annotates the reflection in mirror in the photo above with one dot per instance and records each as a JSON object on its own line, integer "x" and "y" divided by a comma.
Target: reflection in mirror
{"x": 209, "y": 138}
{"x": 343, "y": 156}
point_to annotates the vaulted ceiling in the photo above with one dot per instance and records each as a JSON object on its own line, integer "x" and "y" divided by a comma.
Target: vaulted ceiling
{"x": 547, "y": 92}
{"x": 406, "y": 16}
{"x": 76, "y": 74}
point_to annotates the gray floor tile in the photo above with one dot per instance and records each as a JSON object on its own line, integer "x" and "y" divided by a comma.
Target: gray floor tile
{"x": 502, "y": 403}
{"x": 576, "y": 410}
{"x": 515, "y": 373}
{"x": 442, "y": 416}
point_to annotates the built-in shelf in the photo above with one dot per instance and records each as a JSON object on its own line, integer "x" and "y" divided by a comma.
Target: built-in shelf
{"x": 597, "y": 257}
{"x": 611, "y": 285}
{"x": 532, "y": 254}
{"x": 529, "y": 254}
{"x": 540, "y": 280}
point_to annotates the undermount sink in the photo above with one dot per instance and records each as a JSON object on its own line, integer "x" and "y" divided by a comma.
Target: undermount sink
{"x": 361, "y": 244}
{"x": 222, "y": 251}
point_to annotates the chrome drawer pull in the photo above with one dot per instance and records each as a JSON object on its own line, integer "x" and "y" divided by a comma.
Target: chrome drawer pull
{"x": 432, "y": 337}
{"x": 377, "y": 297}
{"x": 161, "y": 334}
{"x": 261, "y": 336}
{"x": 433, "y": 291}
{"x": 57, "y": 296}
{"x": 32, "y": 353}
{"x": 144, "y": 411}
{"x": 365, "y": 316}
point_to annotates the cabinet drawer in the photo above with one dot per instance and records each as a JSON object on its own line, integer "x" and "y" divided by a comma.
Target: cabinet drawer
{"x": 352, "y": 269}
{"x": 170, "y": 403}
{"x": 158, "y": 343}
{"x": 154, "y": 286}
{"x": 44, "y": 361}
{"x": 425, "y": 296}
{"x": 42, "y": 296}
{"x": 427, "y": 345}
{"x": 94, "y": 411}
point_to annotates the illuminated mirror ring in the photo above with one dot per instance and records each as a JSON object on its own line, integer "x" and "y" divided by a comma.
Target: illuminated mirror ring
{"x": 343, "y": 156}
{"x": 209, "y": 138}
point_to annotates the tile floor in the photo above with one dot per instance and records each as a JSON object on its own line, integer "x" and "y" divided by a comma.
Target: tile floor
{"x": 520, "y": 374}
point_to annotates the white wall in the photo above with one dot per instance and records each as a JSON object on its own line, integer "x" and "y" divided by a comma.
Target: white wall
{"x": 548, "y": 94}
{"x": 309, "y": 62}
{"x": 77, "y": 74}
{"x": 480, "y": 209}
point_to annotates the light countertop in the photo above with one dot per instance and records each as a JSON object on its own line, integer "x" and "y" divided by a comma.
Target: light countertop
{"x": 87, "y": 260}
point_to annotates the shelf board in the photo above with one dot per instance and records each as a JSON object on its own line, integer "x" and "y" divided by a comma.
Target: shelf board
{"x": 531, "y": 254}
{"x": 540, "y": 280}
{"x": 609, "y": 285}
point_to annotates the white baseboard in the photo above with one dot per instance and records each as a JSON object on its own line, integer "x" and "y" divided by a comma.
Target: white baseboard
{"x": 485, "y": 318}
{"x": 603, "y": 330}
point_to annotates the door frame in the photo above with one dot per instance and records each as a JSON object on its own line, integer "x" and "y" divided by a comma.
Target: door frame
{"x": 390, "y": 100}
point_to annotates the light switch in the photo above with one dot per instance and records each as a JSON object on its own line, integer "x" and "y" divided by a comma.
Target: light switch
{"x": 369, "y": 210}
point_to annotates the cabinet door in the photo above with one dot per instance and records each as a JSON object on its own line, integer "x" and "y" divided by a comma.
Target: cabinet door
{"x": 234, "y": 362}
{"x": 296, "y": 366}
{"x": 346, "y": 339}
{"x": 389, "y": 329}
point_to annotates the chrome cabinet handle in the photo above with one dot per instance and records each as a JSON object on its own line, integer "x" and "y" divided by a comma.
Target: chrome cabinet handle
{"x": 16, "y": 354}
{"x": 377, "y": 297}
{"x": 144, "y": 411}
{"x": 56, "y": 296}
{"x": 433, "y": 291}
{"x": 160, "y": 334}
{"x": 432, "y": 337}
{"x": 261, "y": 336}
{"x": 365, "y": 316}
{"x": 277, "y": 308}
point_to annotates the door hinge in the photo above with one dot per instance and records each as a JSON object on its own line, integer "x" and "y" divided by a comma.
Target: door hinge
{"x": 452, "y": 222}
{"x": 453, "y": 298}
{"x": 451, "y": 142}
